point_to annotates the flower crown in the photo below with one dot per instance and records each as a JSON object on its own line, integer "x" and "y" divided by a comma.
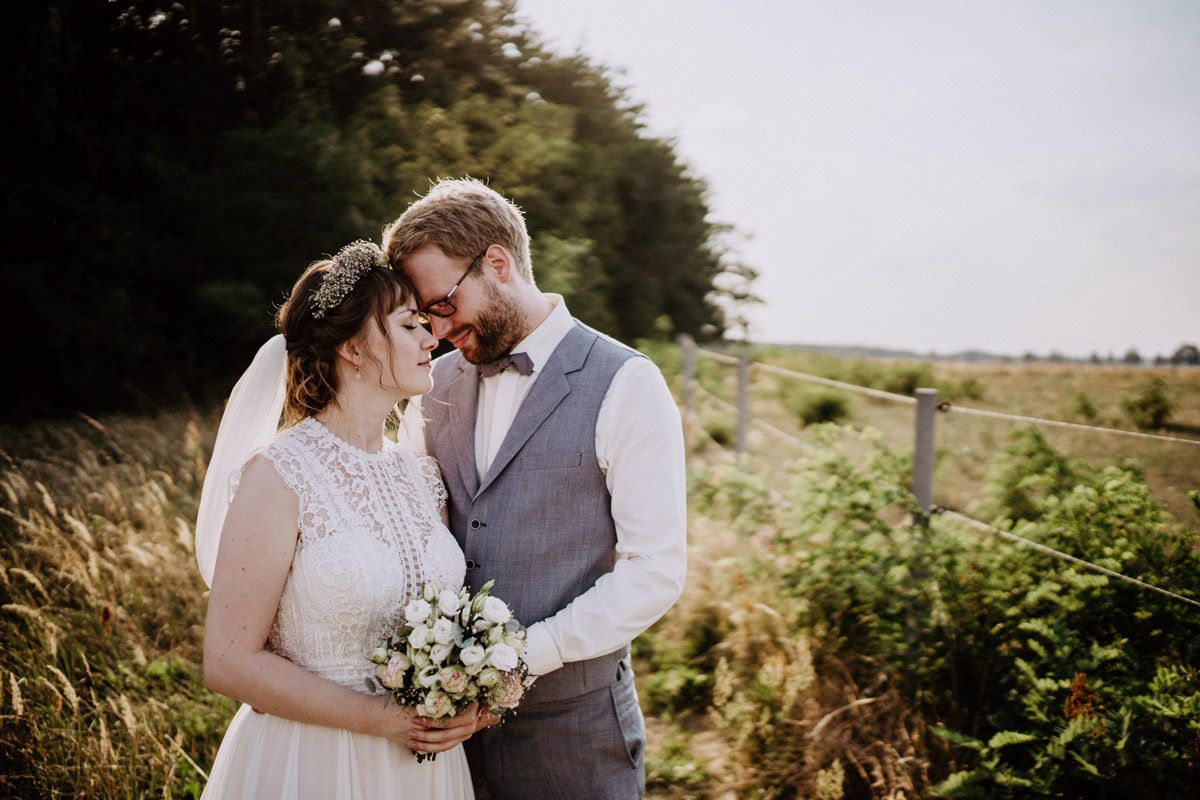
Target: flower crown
{"x": 351, "y": 263}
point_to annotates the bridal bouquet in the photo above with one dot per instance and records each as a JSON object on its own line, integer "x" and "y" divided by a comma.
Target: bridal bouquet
{"x": 453, "y": 650}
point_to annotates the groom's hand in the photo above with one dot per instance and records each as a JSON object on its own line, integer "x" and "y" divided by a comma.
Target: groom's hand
{"x": 486, "y": 720}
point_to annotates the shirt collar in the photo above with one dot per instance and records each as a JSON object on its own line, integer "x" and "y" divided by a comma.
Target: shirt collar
{"x": 540, "y": 343}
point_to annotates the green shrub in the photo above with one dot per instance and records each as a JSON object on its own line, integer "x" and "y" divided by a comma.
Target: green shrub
{"x": 1044, "y": 678}
{"x": 813, "y": 405}
{"x": 969, "y": 387}
{"x": 1151, "y": 406}
{"x": 907, "y": 378}
{"x": 721, "y": 430}
{"x": 1084, "y": 407}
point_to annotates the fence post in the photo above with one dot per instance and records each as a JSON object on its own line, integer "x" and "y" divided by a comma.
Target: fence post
{"x": 687, "y": 347}
{"x": 743, "y": 401}
{"x": 923, "y": 448}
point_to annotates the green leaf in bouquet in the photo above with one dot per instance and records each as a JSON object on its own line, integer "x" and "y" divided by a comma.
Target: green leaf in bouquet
{"x": 512, "y": 626}
{"x": 370, "y": 682}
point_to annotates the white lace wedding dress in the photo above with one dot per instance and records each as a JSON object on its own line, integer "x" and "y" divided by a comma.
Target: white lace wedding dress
{"x": 370, "y": 533}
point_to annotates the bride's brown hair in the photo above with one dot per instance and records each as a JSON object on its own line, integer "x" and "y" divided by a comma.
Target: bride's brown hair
{"x": 312, "y": 380}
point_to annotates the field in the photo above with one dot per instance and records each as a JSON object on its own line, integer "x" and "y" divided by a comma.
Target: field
{"x": 828, "y": 644}
{"x": 1083, "y": 394}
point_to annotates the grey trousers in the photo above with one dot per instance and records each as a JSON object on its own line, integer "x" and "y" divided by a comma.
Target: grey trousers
{"x": 590, "y": 746}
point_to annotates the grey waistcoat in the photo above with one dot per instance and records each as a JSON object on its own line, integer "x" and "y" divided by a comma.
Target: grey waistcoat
{"x": 540, "y": 523}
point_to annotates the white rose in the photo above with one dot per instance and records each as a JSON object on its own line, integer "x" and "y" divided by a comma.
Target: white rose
{"x": 494, "y": 610}
{"x": 439, "y": 652}
{"x": 448, "y": 603}
{"x": 431, "y": 592}
{"x": 502, "y": 657}
{"x": 420, "y": 659}
{"x": 416, "y": 612}
{"x": 443, "y": 631}
{"x": 428, "y": 676}
{"x": 419, "y": 637}
{"x": 473, "y": 655}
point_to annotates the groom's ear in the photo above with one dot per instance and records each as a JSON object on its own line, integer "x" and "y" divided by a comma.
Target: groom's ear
{"x": 499, "y": 262}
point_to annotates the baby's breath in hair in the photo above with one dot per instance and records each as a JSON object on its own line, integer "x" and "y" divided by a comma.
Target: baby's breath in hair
{"x": 351, "y": 263}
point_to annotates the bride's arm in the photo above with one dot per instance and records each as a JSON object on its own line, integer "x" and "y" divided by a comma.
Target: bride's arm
{"x": 258, "y": 542}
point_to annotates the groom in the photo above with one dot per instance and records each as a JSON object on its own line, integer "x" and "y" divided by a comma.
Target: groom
{"x": 562, "y": 452}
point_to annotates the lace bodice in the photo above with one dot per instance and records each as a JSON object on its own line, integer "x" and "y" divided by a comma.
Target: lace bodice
{"x": 370, "y": 533}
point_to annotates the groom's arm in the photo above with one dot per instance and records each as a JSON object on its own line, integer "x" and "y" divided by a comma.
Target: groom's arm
{"x": 639, "y": 446}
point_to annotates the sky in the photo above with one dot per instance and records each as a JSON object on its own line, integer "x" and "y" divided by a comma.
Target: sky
{"x": 937, "y": 176}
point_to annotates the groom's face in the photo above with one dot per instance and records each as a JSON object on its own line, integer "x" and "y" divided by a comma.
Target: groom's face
{"x": 486, "y": 322}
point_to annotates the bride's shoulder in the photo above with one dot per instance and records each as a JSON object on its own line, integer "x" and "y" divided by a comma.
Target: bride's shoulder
{"x": 292, "y": 446}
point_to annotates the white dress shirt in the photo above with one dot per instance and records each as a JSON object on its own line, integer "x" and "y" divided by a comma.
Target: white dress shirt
{"x": 639, "y": 448}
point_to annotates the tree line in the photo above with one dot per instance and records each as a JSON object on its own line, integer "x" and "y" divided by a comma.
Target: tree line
{"x": 174, "y": 166}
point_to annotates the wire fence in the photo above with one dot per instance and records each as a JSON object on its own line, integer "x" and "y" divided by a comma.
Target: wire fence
{"x": 943, "y": 407}
{"x": 923, "y": 456}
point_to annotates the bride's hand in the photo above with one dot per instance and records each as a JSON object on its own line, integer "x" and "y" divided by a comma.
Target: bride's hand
{"x": 436, "y": 736}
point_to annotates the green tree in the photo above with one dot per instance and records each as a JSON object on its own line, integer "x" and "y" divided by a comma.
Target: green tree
{"x": 181, "y": 163}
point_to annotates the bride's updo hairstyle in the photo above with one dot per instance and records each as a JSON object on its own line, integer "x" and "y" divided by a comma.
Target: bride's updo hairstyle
{"x": 331, "y": 303}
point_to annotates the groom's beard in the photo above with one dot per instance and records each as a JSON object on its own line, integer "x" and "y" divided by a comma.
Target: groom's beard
{"x": 497, "y": 329}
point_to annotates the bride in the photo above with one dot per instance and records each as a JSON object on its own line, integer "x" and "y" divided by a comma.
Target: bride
{"x": 330, "y": 529}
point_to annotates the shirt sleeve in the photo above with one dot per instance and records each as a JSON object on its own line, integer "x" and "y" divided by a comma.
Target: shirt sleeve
{"x": 639, "y": 447}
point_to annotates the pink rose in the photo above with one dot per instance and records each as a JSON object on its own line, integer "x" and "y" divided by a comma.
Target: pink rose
{"x": 453, "y": 679}
{"x": 508, "y": 692}
{"x": 391, "y": 674}
{"x": 436, "y": 705}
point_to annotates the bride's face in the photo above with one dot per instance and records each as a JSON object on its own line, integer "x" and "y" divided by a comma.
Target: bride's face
{"x": 401, "y": 358}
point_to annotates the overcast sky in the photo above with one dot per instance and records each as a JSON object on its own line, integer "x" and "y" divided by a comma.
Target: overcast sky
{"x": 1007, "y": 176}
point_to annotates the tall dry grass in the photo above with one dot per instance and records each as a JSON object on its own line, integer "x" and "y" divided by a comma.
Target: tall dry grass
{"x": 102, "y": 609}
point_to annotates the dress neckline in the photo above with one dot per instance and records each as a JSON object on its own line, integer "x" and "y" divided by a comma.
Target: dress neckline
{"x": 325, "y": 433}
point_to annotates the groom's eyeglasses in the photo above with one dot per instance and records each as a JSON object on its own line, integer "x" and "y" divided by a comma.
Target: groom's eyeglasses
{"x": 443, "y": 307}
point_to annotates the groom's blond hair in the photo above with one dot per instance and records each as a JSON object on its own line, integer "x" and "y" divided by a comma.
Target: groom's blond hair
{"x": 463, "y": 217}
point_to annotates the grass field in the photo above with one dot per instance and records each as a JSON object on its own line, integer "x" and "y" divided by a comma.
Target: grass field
{"x": 965, "y": 444}
{"x": 101, "y": 608}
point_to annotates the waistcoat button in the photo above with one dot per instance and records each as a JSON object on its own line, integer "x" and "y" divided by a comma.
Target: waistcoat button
{"x": 470, "y": 565}
{"x": 474, "y": 524}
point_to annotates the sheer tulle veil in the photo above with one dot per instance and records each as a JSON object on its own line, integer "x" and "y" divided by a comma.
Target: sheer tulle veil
{"x": 250, "y": 422}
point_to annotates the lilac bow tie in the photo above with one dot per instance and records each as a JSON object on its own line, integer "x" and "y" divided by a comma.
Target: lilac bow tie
{"x": 521, "y": 362}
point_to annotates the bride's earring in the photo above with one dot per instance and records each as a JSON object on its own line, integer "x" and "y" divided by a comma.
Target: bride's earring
{"x": 357, "y": 374}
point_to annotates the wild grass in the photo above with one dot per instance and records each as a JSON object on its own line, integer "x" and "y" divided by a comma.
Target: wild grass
{"x": 101, "y": 607}
{"x": 102, "y": 610}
